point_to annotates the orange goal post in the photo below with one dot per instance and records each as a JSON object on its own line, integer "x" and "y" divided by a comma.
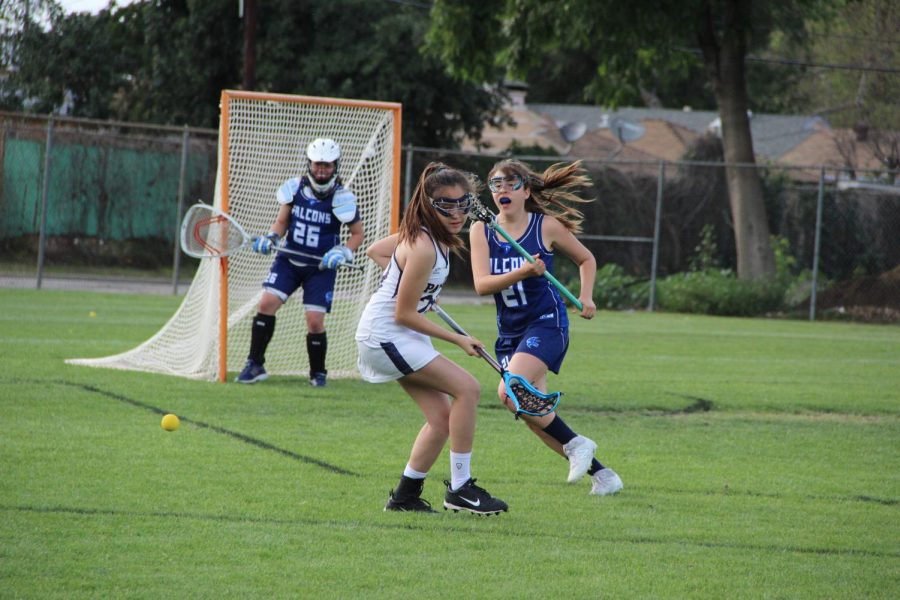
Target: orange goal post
{"x": 262, "y": 143}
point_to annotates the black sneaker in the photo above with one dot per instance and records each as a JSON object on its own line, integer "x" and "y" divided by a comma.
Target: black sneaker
{"x": 474, "y": 499}
{"x": 407, "y": 497}
{"x": 411, "y": 504}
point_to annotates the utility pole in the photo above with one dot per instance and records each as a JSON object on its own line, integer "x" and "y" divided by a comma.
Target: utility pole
{"x": 250, "y": 19}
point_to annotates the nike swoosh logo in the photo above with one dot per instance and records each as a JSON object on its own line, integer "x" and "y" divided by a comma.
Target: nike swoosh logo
{"x": 477, "y": 503}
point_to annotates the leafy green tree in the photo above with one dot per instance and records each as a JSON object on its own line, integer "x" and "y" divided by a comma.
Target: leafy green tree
{"x": 630, "y": 43}
{"x": 166, "y": 61}
{"x": 363, "y": 49}
{"x": 865, "y": 98}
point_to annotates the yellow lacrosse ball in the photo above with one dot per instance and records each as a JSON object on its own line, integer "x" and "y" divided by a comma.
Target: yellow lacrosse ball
{"x": 170, "y": 422}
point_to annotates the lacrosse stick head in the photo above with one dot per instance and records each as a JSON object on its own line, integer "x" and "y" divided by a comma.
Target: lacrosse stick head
{"x": 528, "y": 399}
{"x": 207, "y": 232}
{"x": 479, "y": 212}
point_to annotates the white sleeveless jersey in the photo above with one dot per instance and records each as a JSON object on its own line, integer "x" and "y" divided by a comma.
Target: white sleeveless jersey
{"x": 377, "y": 323}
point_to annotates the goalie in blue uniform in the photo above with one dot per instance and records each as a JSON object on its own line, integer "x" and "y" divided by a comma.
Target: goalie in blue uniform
{"x": 313, "y": 208}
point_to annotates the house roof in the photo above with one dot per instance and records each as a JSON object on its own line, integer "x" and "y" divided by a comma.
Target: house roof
{"x": 667, "y": 133}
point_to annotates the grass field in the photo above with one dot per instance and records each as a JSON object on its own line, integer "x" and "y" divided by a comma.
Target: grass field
{"x": 761, "y": 459}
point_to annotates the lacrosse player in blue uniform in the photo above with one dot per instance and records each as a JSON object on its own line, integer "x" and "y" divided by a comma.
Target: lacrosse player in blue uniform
{"x": 394, "y": 341}
{"x": 312, "y": 210}
{"x": 533, "y": 327}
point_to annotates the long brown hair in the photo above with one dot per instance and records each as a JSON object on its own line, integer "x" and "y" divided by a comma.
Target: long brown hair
{"x": 419, "y": 213}
{"x": 552, "y": 191}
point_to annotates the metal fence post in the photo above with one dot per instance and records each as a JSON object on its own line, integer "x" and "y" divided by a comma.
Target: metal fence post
{"x": 816, "y": 245}
{"x": 660, "y": 185}
{"x": 42, "y": 234}
{"x": 176, "y": 255}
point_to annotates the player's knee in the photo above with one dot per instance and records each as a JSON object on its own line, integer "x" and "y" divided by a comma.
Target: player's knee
{"x": 470, "y": 390}
{"x": 504, "y": 398}
{"x": 269, "y": 304}
{"x": 439, "y": 423}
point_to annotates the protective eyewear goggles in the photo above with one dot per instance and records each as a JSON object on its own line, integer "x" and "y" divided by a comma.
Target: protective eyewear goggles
{"x": 446, "y": 206}
{"x": 513, "y": 182}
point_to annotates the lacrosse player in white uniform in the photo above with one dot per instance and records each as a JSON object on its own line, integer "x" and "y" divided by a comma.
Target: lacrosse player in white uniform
{"x": 394, "y": 341}
{"x": 312, "y": 210}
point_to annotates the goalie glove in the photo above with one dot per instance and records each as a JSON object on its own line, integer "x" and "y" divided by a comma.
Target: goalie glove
{"x": 336, "y": 257}
{"x": 264, "y": 243}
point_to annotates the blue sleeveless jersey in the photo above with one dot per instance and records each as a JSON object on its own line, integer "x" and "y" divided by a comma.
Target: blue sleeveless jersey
{"x": 532, "y": 301}
{"x": 313, "y": 228}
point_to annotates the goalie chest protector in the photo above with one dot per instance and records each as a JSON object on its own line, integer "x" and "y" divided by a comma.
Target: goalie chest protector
{"x": 314, "y": 229}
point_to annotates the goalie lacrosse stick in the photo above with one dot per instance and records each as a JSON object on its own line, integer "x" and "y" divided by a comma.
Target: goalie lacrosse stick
{"x": 207, "y": 232}
{"x": 527, "y": 399}
{"x": 480, "y": 213}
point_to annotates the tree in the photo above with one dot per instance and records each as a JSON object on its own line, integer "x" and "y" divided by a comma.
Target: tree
{"x": 363, "y": 49}
{"x": 166, "y": 61}
{"x": 862, "y": 99}
{"x": 632, "y": 43}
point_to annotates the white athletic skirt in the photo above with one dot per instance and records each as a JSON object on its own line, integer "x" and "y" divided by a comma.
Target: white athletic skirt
{"x": 386, "y": 361}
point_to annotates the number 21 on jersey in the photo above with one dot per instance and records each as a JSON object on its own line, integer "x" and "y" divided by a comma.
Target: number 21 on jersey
{"x": 514, "y": 295}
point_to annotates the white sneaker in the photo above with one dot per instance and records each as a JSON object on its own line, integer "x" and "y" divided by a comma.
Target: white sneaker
{"x": 605, "y": 482}
{"x": 580, "y": 451}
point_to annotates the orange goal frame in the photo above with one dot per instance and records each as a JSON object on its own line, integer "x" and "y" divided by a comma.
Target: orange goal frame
{"x": 227, "y": 97}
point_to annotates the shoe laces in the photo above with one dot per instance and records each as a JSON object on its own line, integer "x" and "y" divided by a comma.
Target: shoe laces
{"x": 471, "y": 485}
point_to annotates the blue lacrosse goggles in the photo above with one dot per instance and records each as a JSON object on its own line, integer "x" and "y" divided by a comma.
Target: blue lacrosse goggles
{"x": 513, "y": 182}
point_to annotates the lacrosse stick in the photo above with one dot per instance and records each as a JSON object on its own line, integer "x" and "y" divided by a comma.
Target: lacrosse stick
{"x": 207, "y": 232}
{"x": 527, "y": 399}
{"x": 480, "y": 213}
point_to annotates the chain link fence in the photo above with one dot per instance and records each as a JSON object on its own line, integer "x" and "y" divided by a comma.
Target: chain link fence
{"x": 90, "y": 198}
{"x": 81, "y": 197}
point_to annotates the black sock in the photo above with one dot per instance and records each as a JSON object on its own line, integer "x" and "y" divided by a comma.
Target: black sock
{"x": 559, "y": 431}
{"x": 316, "y": 347}
{"x": 260, "y": 335}
{"x": 596, "y": 465}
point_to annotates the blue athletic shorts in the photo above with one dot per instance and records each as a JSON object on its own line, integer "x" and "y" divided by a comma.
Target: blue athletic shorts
{"x": 318, "y": 285}
{"x": 546, "y": 343}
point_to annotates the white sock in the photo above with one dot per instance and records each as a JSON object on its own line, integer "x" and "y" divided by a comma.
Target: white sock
{"x": 459, "y": 469}
{"x": 412, "y": 473}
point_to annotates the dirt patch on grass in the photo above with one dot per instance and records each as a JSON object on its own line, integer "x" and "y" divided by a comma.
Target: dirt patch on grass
{"x": 871, "y": 298}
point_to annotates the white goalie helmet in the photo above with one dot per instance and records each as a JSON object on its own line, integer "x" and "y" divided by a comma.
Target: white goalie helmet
{"x": 323, "y": 150}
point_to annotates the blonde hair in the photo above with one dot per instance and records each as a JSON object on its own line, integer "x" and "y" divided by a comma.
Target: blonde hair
{"x": 421, "y": 214}
{"x": 552, "y": 191}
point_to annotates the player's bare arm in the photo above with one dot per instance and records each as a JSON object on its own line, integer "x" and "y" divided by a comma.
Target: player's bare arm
{"x": 380, "y": 252}
{"x": 283, "y": 220}
{"x": 357, "y": 235}
{"x": 561, "y": 240}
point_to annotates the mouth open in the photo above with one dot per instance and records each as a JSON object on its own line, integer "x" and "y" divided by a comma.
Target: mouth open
{"x": 504, "y": 200}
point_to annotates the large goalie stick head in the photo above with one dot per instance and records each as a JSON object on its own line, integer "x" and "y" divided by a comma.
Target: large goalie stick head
{"x": 526, "y": 398}
{"x": 207, "y": 232}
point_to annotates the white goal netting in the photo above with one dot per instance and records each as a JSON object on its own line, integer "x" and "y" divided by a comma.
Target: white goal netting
{"x": 262, "y": 143}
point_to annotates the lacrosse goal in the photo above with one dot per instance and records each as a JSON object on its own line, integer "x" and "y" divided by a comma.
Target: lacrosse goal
{"x": 262, "y": 143}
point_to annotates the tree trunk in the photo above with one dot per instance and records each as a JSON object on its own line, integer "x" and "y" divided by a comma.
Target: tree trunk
{"x": 725, "y": 64}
